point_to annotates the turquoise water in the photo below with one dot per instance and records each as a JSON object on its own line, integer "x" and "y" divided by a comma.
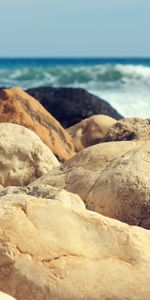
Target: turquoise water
{"x": 123, "y": 82}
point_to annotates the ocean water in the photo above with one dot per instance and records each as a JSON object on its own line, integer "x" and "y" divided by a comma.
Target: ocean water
{"x": 123, "y": 82}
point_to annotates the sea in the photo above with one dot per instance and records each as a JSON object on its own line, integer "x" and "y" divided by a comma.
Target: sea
{"x": 123, "y": 82}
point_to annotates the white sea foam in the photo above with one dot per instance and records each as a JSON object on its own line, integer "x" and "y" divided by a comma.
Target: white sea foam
{"x": 135, "y": 71}
{"x": 129, "y": 104}
{"x": 126, "y": 87}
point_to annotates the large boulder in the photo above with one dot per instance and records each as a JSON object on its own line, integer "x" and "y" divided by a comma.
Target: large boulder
{"x": 78, "y": 174}
{"x": 56, "y": 249}
{"x": 88, "y": 131}
{"x": 122, "y": 191}
{"x": 128, "y": 129}
{"x": 113, "y": 180}
{"x": 71, "y": 105}
{"x": 18, "y": 107}
{"x": 23, "y": 155}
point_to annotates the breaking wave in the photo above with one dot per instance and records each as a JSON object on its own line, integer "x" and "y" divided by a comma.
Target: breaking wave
{"x": 125, "y": 86}
{"x": 99, "y": 76}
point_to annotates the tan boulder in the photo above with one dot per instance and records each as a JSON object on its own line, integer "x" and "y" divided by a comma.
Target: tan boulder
{"x": 88, "y": 131}
{"x": 114, "y": 181}
{"x": 128, "y": 129}
{"x": 96, "y": 157}
{"x": 51, "y": 249}
{"x": 23, "y": 156}
{"x": 18, "y": 107}
{"x": 79, "y": 173}
{"x": 122, "y": 191}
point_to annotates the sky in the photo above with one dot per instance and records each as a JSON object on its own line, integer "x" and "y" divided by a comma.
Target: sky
{"x": 74, "y": 28}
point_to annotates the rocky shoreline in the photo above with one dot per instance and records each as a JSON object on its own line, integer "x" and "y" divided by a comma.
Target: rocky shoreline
{"x": 74, "y": 198}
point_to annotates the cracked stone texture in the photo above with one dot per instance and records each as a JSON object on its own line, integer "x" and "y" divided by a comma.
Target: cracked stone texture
{"x": 88, "y": 131}
{"x": 23, "y": 155}
{"x": 18, "y": 107}
{"x": 54, "y": 249}
{"x": 122, "y": 191}
{"x": 128, "y": 129}
{"x": 111, "y": 179}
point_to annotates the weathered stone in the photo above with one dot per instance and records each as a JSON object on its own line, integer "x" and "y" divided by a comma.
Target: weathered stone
{"x": 18, "y": 107}
{"x": 128, "y": 129}
{"x": 44, "y": 191}
{"x": 71, "y": 105}
{"x": 51, "y": 249}
{"x": 98, "y": 156}
{"x": 122, "y": 191}
{"x": 23, "y": 156}
{"x": 111, "y": 178}
{"x": 88, "y": 131}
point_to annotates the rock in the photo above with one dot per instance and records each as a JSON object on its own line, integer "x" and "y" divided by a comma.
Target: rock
{"x": 5, "y": 297}
{"x": 88, "y": 131}
{"x": 71, "y": 105}
{"x": 82, "y": 175}
{"x": 18, "y": 107}
{"x": 128, "y": 129}
{"x": 44, "y": 191}
{"x": 23, "y": 156}
{"x": 111, "y": 178}
{"x": 51, "y": 249}
{"x": 122, "y": 191}
{"x": 78, "y": 174}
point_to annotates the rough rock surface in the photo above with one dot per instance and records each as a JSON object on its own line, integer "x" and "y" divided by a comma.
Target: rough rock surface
{"x": 51, "y": 249}
{"x": 18, "y": 107}
{"x": 112, "y": 180}
{"x": 88, "y": 131}
{"x": 23, "y": 155}
{"x": 4, "y": 296}
{"x": 44, "y": 191}
{"x": 71, "y": 105}
{"x": 96, "y": 157}
{"x": 122, "y": 191}
{"x": 79, "y": 173}
{"x": 128, "y": 129}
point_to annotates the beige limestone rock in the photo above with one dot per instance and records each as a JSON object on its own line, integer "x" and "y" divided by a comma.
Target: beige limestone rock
{"x": 23, "y": 155}
{"x": 87, "y": 132}
{"x": 44, "y": 191}
{"x": 112, "y": 180}
{"x": 78, "y": 174}
{"x": 4, "y": 296}
{"x": 128, "y": 129}
{"x": 51, "y": 249}
{"x": 96, "y": 157}
{"x": 122, "y": 191}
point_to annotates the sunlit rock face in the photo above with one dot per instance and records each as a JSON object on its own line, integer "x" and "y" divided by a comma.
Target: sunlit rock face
{"x": 57, "y": 249}
{"x": 90, "y": 130}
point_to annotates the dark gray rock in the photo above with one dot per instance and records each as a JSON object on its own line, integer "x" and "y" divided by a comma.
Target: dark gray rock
{"x": 71, "y": 105}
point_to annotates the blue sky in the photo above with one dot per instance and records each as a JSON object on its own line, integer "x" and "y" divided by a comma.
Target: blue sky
{"x": 74, "y": 28}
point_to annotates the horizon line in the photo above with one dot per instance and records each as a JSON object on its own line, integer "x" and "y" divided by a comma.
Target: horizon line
{"x": 75, "y": 57}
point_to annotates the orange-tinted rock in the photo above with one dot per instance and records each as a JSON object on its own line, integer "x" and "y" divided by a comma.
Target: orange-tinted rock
{"x": 18, "y": 107}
